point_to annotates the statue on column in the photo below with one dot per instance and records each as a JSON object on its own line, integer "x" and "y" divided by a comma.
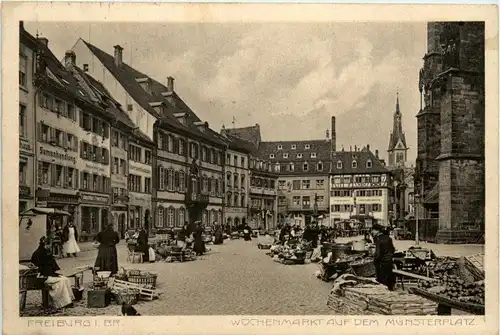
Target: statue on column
{"x": 195, "y": 171}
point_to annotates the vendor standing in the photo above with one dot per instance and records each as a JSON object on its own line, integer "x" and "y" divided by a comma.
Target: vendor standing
{"x": 70, "y": 238}
{"x": 199, "y": 244}
{"x": 107, "y": 258}
{"x": 143, "y": 244}
{"x": 384, "y": 251}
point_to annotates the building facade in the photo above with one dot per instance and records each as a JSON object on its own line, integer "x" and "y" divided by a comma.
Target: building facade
{"x": 263, "y": 205}
{"x": 359, "y": 186}
{"x": 450, "y": 168}
{"x": 27, "y": 170}
{"x": 179, "y": 136}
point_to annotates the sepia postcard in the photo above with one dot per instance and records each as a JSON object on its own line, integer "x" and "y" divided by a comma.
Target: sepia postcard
{"x": 249, "y": 168}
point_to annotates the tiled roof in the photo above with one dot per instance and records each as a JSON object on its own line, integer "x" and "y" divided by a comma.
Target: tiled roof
{"x": 238, "y": 144}
{"x": 127, "y": 77}
{"x": 250, "y": 134}
{"x": 296, "y": 151}
{"x": 362, "y": 157}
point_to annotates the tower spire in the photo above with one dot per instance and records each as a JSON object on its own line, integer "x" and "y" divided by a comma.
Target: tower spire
{"x": 397, "y": 102}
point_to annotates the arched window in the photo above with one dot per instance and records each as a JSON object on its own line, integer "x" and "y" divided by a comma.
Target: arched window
{"x": 354, "y": 164}
{"x": 243, "y": 200}
{"x": 182, "y": 217}
{"x": 235, "y": 180}
{"x": 176, "y": 181}
{"x": 213, "y": 186}
{"x": 236, "y": 198}
{"x": 205, "y": 184}
{"x": 221, "y": 191}
{"x": 161, "y": 174}
{"x": 182, "y": 181}
{"x": 170, "y": 217}
{"x": 228, "y": 200}
{"x": 159, "y": 222}
{"x": 228, "y": 179}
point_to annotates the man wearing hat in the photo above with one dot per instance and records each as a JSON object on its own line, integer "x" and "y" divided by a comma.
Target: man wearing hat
{"x": 384, "y": 250}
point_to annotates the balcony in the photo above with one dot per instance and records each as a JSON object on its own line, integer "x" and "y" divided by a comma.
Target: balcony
{"x": 197, "y": 198}
{"x": 120, "y": 199}
{"x": 262, "y": 190}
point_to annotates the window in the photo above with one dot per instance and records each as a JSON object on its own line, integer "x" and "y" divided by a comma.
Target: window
{"x": 305, "y": 167}
{"x": 181, "y": 147}
{"x": 320, "y": 184}
{"x": 22, "y": 120}
{"x": 182, "y": 181}
{"x": 243, "y": 180}
{"x": 321, "y": 200}
{"x": 285, "y": 155}
{"x": 291, "y": 167}
{"x": 160, "y": 217}
{"x": 23, "y": 70}
{"x": 228, "y": 199}
{"x": 170, "y": 180}
{"x": 71, "y": 113}
{"x": 182, "y": 216}
{"x": 204, "y": 154}
{"x": 369, "y": 163}
{"x": 271, "y": 156}
{"x": 22, "y": 173}
{"x": 296, "y": 184}
{"x": 236, "y": 200}
{"x": 280, "y": 147}
{"x": 306, "y": 184}
{"x": 320, "y": 166}
{"x": 235, "y": 180}
{"x": 336, "y": 180}
{"x": 375, "y": 179}
{"x": 193, "y": 150}
{"x": 69, "y": 178}
{"x": 147, "y": 185}
{"x": 354, "y": 164}
{"x": 339, "y": 164}
{"x": 294, "y": 147}
{"x": 313, "y": 155}
{"x": 147, "y": 157}
{"x": 130, "y": 107}
{"x": 242, "y": 162}
{"x": 299, "y": 155}
{"x": 306, "y": 202}
{"x": 307, "y": 146}
{"x": 170, "y": 217}
{"x": 296, "y": 201}
{"x": 115, "y": 165}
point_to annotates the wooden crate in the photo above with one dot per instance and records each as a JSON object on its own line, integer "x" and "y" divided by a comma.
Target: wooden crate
{"x": 475, "y": 264}
{"x": 146, "y": 293}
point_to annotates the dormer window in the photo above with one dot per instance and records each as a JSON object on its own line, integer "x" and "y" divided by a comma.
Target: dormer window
{"x": 320, "y": 166}
{"x": 369, "y": 164}
{"x": 157, "y": 106}
{"x": 285, "y": 155}
{"x": 299, "y": 155}
{"x": 271, "y": 156}
{"x": 307, "y": 146}
{"x": 305, "y": 167}
{"x": 280, "y": 147}
{"x": 291, "y": 167}
{"x": 145, "y": 84}
{"x": 354, "y": 164}
{"x": 339, "y": 165}
{"x": 202, "y": 126}
{"x": 294, "y": 147}
{"x": 181, "y": 117}
{"x": 313, "y": 155}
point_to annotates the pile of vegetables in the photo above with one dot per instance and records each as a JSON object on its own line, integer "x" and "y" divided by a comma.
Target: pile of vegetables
{"x": 455, "y": 288}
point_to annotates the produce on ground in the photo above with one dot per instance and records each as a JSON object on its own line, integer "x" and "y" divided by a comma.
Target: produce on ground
{"x": 455, "y": 288}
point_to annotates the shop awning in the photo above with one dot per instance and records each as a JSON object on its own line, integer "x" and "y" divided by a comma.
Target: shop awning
{"x": 44, "y": 210}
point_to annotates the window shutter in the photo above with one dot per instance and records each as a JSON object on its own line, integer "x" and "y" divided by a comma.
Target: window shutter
{"x": 98, "y": 155}
{"x": 52, "y": 171}
{"x": 39, "y": 130}
{"x": 40, "y": 173}
{"x": 76, "y": 173}
{"x": 81, "y": 149}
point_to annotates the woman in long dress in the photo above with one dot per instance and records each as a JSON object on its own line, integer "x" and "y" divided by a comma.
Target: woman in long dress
{"x": 199, "y": 245}
{"x": 70, "y": 238}
{"x": 107, "y": 258}
{"x": 60, "y": 286}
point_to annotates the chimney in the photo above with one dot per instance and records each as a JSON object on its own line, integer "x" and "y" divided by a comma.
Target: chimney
{"x": 44, "y": 41}
{"x": 376, "y": 153}
{"x": 69, "y": 59}
{"x": 368, "y": 147}
{"x": 334, "y": 135}
{"x": 118, "y": 55}
{"x": 170, "y": 84}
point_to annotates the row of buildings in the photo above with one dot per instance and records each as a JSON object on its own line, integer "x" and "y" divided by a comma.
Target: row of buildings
{"x": 110, "y": 144}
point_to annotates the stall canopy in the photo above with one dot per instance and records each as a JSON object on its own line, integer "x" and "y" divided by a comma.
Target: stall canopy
{"x": 43, "y": 210}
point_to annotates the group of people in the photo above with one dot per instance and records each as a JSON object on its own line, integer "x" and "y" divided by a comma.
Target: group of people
{"x": 64, "y": 241}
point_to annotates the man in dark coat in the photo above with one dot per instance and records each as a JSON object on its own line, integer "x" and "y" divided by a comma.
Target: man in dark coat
{"x": 384, "y": 251}
{"x": 107, "y": 258}
{"x": 143, "y": 245}
{"x": 199, "y": 244}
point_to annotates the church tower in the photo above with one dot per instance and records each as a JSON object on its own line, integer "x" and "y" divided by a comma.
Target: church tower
{"x": 397, "y": 150}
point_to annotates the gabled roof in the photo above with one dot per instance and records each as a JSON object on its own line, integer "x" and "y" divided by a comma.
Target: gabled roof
{"x": 250, "y": 134}
{"x": 240, "y": 145}
{"x": 361, "y": 157}
{"x": 319, "y": 150}
{"x": 127, "y": 77}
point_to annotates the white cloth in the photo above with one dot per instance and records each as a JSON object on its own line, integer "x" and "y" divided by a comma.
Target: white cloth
{"x": 316, "y": 254}
{"x": 71, "y": 246}
{"x": 60, "y": 291}
{"x": 152, "y": 256}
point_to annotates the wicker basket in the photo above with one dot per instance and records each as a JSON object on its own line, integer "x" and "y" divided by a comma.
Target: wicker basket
{"x": 365, "y": 269}
{"x": 143, "y": 280}
{"x": 129, "y": 297}
{"x": 264, "y": 246}
{"x": 133, "y": 272}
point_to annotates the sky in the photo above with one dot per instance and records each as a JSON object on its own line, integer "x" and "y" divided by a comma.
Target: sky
{"x": 290, "y": 78}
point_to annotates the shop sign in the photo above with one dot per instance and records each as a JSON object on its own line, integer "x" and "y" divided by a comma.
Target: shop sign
{"x": 94, "y": 168}
{"x": 133, "y": 168}
{"x": 25, "y": 145}
{"x": 91, "y": 198}
{"x": 48, "y": 153}
{"x": 138, "y": 200}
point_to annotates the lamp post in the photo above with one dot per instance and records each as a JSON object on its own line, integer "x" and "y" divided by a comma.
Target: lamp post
{"x": 417, "y": 198}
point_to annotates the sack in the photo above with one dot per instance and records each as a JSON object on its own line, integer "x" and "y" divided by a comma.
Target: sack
{"x": 152, "y": 256}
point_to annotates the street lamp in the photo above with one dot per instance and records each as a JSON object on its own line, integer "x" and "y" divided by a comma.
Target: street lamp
{"x": 416, "y": 200}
